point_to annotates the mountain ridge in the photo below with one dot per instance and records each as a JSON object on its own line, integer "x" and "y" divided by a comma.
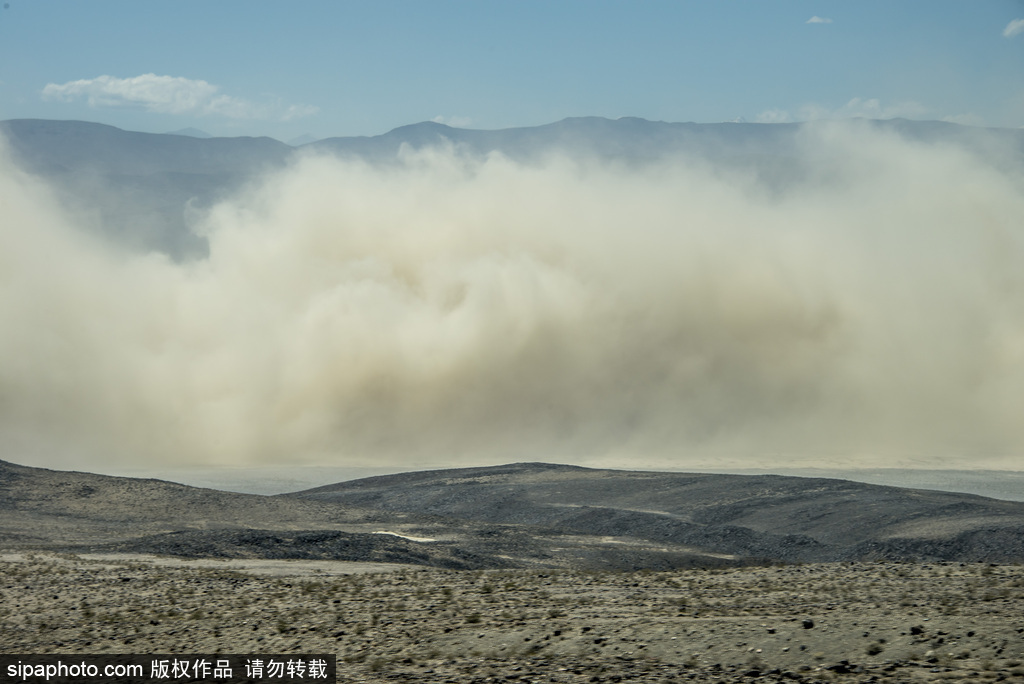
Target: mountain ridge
{"x": 144, "y": 187}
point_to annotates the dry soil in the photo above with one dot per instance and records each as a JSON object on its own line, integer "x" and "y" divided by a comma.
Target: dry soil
{"x": 876, "y": 622}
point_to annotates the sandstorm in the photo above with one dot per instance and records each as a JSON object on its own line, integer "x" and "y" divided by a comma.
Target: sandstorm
{"x": 455, "y": 309}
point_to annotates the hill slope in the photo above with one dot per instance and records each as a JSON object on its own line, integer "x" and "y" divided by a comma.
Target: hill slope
{"x": 785, "y": 518}
{"x": 47, "y": 507}
{"x": 520, "y": 515}
{"x": 82, "y": 512}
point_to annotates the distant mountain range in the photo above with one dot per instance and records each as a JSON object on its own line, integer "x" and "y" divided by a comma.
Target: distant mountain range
{"x": 519, "y": 515}
{"x": 141, "y": 184}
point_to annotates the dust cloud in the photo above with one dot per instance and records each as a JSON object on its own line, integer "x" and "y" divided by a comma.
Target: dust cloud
{"x": 452, "y": 310}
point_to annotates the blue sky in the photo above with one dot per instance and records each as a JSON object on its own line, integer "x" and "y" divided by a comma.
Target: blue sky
{"x": 328, "y": 68}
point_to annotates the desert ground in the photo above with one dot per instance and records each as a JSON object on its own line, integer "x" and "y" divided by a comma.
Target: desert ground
{"x": 836, "y": 622}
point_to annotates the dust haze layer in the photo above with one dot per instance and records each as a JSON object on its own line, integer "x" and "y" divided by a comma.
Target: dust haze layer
{"x": 456, "y": 308}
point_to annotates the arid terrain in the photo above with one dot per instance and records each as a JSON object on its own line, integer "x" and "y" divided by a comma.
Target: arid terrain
{"x": 839, "y": 622}
{"x": 527, "y": 572}
{"x": 524, "y": 515}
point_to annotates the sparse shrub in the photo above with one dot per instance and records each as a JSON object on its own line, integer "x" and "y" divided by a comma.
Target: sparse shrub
{"x": 874, "y": 649}
{"x": 473, "y": 618}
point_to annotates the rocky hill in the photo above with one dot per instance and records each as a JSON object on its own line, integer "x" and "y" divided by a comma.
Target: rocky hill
{"x": 766, "y": 516}
{"x": 520, "y": 515}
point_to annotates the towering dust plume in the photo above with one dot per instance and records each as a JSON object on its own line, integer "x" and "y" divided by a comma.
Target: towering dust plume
{"x": 448, "y": 309}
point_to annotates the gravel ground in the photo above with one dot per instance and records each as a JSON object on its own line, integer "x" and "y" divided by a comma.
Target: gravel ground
{"x": 858, "y": 622}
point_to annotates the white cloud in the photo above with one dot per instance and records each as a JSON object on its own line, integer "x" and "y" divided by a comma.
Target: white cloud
{"x": 164, "y": 94}
{"x": 168, "y": 95}
{"x": 818, "y": 20}
{"x": 1013, "y": 28}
